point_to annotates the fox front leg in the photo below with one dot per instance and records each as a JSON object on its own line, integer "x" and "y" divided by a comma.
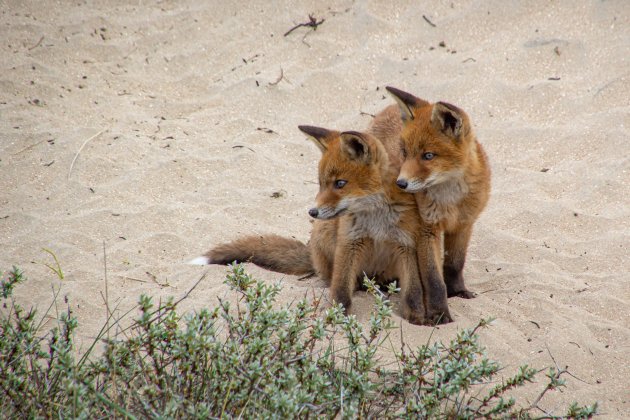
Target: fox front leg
{"x": 455, "y": 248}
{"x": 347, "y": 267}
{"x": 322, "y": 263}
{"x": 411, "y": 286}
{"x": 429, "y": 252}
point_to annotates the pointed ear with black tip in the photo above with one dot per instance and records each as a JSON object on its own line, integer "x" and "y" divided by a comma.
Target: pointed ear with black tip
{"x": 319, "y": 136}
{"x": 448, "y": 119}
{"x": 355, "y": 146}
{"x": 407, "y": 102}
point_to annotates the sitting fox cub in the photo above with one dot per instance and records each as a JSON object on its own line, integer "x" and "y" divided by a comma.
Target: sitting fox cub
{"x": 364, "y": 224}
{"x": 443, "y": 165}
{"x": 436, "y": 157}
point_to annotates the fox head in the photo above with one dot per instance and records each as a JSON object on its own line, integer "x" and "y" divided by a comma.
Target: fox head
{"x": 435, "y": 142}
{"x": 350, "y": 170}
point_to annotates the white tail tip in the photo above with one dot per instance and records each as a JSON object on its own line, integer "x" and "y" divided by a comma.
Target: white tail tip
{"x": 200, "y": 261}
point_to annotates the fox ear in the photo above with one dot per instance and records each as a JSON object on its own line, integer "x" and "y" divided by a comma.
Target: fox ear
{"x": 355, "y": 146}
{"x": 319, "y": 136}
{"x": 448, "y": 119}
{"x": 407, "y": 102}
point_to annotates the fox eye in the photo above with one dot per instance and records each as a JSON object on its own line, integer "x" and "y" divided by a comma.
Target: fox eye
{"x": 428, "y": 156}
{"x": 340, "y": 183}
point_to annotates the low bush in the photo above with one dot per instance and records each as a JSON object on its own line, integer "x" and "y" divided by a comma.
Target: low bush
{"x": 251, "y": 358}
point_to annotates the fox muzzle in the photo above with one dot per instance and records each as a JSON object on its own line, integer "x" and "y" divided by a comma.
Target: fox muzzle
{"x": 402, "y": 183}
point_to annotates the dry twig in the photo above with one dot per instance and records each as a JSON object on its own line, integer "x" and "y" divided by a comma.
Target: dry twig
{"x": 81, "y": 148}
{"x": 428, "y": 21}
{"x": 38, "y": 42}
{"x": 312, "y": 23}
{"x": 278, "y": 79}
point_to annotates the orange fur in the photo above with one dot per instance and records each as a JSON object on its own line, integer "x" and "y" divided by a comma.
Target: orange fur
{"x": 367, "y": 225}
{"x": 273, "y": 252}
{"x": 441, "y": 162}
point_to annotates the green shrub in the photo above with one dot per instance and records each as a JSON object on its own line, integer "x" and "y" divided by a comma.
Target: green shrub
{"x": 250, "y": 359}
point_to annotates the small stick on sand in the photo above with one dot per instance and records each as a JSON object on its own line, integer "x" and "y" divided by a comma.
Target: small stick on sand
{"x": 38, "y": 42}
{"x": 29, "y": 147}
{"x": 312, "y": 23}
{"x": 428, "y": 21}
{"x": 278, "y": 79}
{"x": 81, "y": 148}
{"x": 132, "y": 278}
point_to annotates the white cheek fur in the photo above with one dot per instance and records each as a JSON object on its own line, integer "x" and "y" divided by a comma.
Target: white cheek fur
{"x": 328, "y": 212}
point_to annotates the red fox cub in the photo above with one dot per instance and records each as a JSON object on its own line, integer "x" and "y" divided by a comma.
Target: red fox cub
{"x": 443, "y": 165}
{"x": 364, "y": 224}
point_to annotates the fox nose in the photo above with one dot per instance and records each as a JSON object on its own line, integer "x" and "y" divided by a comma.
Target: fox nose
{"x": 402, "y": 183}
{"x": 313, "y": 212}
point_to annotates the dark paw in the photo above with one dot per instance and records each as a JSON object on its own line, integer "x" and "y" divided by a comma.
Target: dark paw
{"x": 343, "y": 299}
{"x": 416, "y": 318}
{"x": 438, "y": 318}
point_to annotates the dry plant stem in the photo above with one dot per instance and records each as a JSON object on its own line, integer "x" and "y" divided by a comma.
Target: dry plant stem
{"x": 108, "y": 313}
{"x": 131, "y": 278}
{"x": 174, "y": 304}
{"x": 428, "y": 21}
{"x": 81, "y": 148}
{"x": 549, "y": 386}
{"x": 55, "y": 295}
{"x": 115, "y": 320}
{"x": 38, "y": 43}
{"x": 306, "y": 277}
{"x": 278, "y": 79}
{"x": 102, "y": 333}
{"x": 312, "y": 23}
{"x": 191, "y": 289}
{"x": 29, "y": 147}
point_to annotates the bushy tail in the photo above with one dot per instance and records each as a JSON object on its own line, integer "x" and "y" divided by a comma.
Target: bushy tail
{"x": 272, "y": 252}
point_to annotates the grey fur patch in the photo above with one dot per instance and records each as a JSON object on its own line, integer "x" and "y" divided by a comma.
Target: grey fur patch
{"x": 376, "y": 218}
{"x": 327, "y": 212}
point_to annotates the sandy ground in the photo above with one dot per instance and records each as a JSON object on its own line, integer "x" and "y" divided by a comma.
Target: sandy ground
{"x": 148, "y": 131}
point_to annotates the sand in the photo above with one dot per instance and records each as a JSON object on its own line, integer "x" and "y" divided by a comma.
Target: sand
{"x": 135, "y": 135}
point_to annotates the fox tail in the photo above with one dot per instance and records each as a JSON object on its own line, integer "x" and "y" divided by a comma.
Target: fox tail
{"x": 272, "y": 252}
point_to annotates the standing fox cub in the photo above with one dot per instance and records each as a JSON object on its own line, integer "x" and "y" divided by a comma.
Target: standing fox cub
{"x": 443, "y": 165}
{"x": 364, "y": 224}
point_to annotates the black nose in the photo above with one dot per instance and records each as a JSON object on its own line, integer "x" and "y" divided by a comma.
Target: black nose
{"x": 402, "y": 183}
{"x": 313, "y": 212}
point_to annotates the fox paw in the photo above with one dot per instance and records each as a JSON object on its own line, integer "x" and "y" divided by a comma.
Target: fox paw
{"x": 438, "y": 318}
{"x": 415, "y": 318}
{"x": 336, "y": 297}
{"x": 464, "y": 294}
